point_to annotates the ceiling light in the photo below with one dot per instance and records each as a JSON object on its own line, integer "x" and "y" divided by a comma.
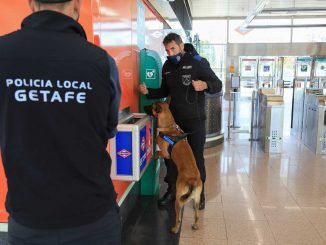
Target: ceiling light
{"x": 259, "y": 7}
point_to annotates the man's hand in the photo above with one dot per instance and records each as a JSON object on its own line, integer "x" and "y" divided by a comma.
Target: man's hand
{"x": 199, "y": 85}
{"x": 143, "y": 89}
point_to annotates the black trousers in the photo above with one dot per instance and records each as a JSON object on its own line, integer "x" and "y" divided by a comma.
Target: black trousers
{"x": 196, "y": 140}
{"x": 105, "y": 231}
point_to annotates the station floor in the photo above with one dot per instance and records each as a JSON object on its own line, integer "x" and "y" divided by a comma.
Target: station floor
{"x": 252, "y": 198}
{"x": 256, "y": 198}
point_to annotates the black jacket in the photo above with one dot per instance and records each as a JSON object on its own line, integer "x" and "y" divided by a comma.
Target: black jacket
{"x": 186, "y": 104}
{"x": 59, "y": 100}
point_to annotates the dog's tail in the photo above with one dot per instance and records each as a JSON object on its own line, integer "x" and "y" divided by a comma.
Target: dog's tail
{"x": 191, "y": 186}
{"x": 187, "y": 195}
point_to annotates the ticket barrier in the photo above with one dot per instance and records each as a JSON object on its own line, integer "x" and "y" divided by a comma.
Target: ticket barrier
{"x": 299, "y": 88}
{"x": 314, "y": 128}
{"x": 270, "y": 120}
{"x": 131, "y": 149}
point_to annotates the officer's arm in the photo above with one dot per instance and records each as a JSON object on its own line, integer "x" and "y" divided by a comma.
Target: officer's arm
{"x": 214, "y": 84}
{"x": 157, "y": 93}
{"x": 114, "y": 99}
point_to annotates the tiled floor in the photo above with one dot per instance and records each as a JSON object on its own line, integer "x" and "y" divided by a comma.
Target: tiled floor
{"x": 256, "y": 198}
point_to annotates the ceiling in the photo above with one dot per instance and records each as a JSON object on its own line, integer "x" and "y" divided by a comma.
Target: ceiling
{"x": 241, "y": 8}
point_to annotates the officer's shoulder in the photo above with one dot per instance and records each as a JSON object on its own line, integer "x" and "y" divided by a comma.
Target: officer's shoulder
{"x": 9, "y": 35}
{"x": 202, "y": 61}
{"x": 95, "y": 49}
{"x": 197, "y": 57}
{"x": 111, "y": 59}
{"x": 166, "y": 64}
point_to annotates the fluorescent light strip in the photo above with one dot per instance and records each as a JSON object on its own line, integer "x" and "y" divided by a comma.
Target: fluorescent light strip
{"x": 259, "y": 7}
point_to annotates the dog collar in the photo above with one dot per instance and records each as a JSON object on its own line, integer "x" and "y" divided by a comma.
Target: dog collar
{"x": 173, "y": 126}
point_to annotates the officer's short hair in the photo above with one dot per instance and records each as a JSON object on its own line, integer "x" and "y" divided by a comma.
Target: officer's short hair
{"x": 58, "y": 4}
{"x": 53, "y": 1}
{"x": 172, "y": 37}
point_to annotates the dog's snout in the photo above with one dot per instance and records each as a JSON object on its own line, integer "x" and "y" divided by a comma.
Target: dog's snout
{"x": 148, "y": 110}
{"x": 158, "y": 108}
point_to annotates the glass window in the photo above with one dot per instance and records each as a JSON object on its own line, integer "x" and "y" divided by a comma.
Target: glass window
{"x": 216, "y": 56}
{"x": 267, "y": 35}
{"x": 309, "y": 34}
{"x": 211, "y": 31}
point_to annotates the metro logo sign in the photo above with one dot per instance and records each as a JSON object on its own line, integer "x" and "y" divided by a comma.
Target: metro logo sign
{"x": 143, "y": 144}
{"x": 124, "y": 153}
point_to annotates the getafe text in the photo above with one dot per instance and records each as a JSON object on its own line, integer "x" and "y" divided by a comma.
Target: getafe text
{"x": 44, "y": 90}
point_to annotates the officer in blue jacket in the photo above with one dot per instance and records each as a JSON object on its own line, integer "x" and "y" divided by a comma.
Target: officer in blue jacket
{"x": 59, "y": 103}
{"x": 185, "y": 78}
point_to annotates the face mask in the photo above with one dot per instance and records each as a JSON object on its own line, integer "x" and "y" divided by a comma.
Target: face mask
{"x": 175, "y": 58}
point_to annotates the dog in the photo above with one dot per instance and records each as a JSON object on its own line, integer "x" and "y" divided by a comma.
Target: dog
{"x": 189, "y": 184}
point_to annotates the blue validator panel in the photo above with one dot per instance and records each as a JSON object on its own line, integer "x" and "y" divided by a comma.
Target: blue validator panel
{"x": 124, "y": 153}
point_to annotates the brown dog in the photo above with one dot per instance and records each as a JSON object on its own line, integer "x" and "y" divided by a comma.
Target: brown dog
{"x": 189, "y": 185}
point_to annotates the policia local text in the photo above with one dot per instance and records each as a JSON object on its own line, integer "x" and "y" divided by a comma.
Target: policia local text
{"x": 42, "y": 90}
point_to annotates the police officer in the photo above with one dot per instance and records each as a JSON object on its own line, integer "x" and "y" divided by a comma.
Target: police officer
{"x": 185, "y": 78}
{"x": 59, "y": 102}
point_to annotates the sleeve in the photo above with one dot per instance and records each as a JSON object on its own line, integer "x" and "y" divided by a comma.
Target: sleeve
{"x": 157, "y": 93}
{"x": 207, "y": 74}
{"x": 114, "y": 99}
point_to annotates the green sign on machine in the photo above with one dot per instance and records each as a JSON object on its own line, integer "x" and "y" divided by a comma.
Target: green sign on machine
{"x": 321, "y": 59}
{"x": 304, "y": 59}
{"x": 150, "y": 74}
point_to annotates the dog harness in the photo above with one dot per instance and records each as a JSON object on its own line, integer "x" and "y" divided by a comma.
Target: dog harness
{"x": 172, "y": 140}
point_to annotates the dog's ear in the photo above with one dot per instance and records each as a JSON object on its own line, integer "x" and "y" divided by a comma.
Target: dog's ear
{"x": 149, "y": 110}
{"x": 158, "y": 108}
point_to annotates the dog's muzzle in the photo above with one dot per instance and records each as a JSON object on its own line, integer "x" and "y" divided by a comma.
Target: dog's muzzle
{"x": 148, "y": 110}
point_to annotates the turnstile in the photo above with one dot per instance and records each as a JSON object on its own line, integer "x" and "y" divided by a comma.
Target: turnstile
{"x": 270, "y": 120}
{"x": 299, "y": 87}
{"x": 314, "y": 128}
